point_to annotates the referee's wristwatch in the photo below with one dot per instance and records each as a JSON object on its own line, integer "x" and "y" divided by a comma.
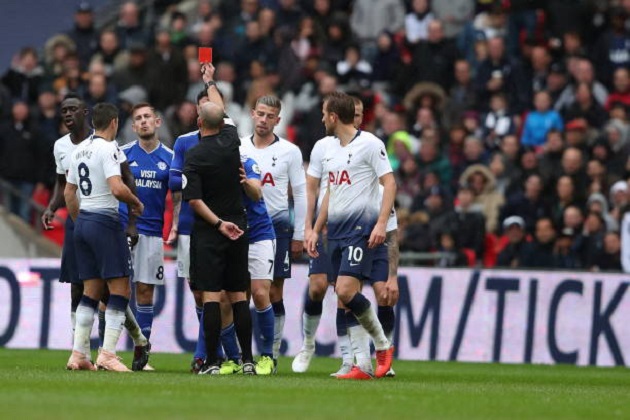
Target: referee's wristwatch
{"x": 218, "y": 224}
{"x": 210, "y": 83}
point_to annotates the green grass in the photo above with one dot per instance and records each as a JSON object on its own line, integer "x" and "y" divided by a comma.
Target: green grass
{"x": 33, "y": 384}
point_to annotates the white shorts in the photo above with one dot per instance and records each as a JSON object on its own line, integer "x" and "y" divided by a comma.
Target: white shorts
{"x": 183, "y": 256}
{"x": 148, "y": 260}
{"x": 261, "y": 258}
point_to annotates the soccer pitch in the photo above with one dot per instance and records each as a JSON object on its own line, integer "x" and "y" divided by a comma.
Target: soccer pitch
{"x": 33, "y": 384}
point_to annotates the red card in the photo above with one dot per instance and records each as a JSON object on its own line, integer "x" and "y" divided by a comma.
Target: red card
{"x": 205, "y": 55}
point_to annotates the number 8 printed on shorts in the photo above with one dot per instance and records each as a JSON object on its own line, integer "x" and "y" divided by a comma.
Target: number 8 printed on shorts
{"x": 84, "y": 179}
{"x": 355, "y": 255}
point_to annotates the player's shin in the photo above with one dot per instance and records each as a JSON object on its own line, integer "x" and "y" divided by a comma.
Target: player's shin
{"x": 310, "y": 321}
{"x": 133, "y": 328}
{"x": 387, "y": 318}
{"x": 360, "y": 306}
{"x": 114, "y": 320}
{"x": 278, "y": 327}
{"x": 343, "y": 339}
{"x": 266, "y": 324}
{"x": 243, "y": 327}
{"x": 145, "y": 319}
{"x": 360, "y": 342}
{"x": 212, "y": 330}
{"x": 85, "y": 321}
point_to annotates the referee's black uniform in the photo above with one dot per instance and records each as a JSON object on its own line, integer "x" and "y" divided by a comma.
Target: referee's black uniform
{"x": 212, "y": 174}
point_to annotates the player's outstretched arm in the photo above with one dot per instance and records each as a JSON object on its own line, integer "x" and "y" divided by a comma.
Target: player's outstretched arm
{"x": 56, "y": 202}
{"x": 72, "y": 202}
{"x": 377, "y": 236}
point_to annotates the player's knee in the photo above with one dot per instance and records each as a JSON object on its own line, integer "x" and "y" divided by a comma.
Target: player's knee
{"x": 261, "y": 298}
{"x": 345, "y": 295}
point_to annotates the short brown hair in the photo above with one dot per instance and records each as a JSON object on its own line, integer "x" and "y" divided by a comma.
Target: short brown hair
{"x": 103, "y": 114}
{"x": 342, "y": 105}
{"x": 142, "y": 105}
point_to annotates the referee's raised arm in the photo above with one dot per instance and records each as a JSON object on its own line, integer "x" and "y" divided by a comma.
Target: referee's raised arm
{"x": 207, "y": 74}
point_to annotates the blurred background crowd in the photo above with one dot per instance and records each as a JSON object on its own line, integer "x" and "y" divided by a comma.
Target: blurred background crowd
{"x": 506, "y": 122}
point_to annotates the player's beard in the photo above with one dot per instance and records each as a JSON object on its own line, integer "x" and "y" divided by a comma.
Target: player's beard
{"x": 330, "y": 130}
{"x": 147, "y": 136}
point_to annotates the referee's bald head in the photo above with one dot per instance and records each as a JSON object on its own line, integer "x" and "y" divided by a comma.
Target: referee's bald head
{"x": 211, "y": 116}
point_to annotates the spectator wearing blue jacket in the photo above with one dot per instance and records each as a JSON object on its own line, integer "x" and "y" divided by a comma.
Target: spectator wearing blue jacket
{"x": 539, "y": 122}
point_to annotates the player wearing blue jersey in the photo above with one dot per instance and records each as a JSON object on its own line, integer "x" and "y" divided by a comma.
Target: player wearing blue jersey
{"x": 355, "y": 163}
{"x": 102, "y": 252}
{"x": 262, "y": 247}
{"x": 282, "y": 166}
{"x": 183, "y": 218}
{"x": 149, "y": 161}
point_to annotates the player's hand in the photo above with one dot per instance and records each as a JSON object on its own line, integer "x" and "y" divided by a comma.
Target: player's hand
{"x": 242, "y": 174}
{"x": 137, "y": 209}
{"x": 297, "y": 249}
{"x": 132, "y": 235}
{"x": 230, "y": 230}
{"x": 391, "y": 291}
{"x": 377, "y": 236}
{"x": 172, "y": 236}
{"x": 311, "y": 244}
{"x": 207, "y": 72}
{"x": 47, "y": 218}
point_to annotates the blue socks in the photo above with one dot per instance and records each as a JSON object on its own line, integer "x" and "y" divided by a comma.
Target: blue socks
{"x": 230, "y": 343}
{"x": 200, "y": 349}
{"x": 266, "y": 324}
{"x": 144, "y": 316}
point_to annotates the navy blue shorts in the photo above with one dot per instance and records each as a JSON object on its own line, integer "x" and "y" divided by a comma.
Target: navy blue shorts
{"x": 380, "y": 265}
{"x": 321, "y": 264}
{"x": 282, "y": 263}
{"x": 69, "y": 272}
{"x": 350, "y": 257}
{"x": 101, "y": 247}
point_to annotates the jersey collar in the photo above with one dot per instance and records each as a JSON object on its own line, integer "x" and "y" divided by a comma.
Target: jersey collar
{"x": 276, "y": 139}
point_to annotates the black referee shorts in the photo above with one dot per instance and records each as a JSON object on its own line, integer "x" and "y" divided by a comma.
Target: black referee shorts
{"x": 216, "y": 262}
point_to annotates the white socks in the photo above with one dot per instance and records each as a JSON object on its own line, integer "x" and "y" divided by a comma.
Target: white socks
{"x": 114, "y": 320}
{"x": 278, "y": 327}
{"x": 345, "y": 348}
{"x": 309, "y": 328}
{"x": 360, "y": 340}
{"x": 83, "y": 329}
{"x": 370, "y": 322}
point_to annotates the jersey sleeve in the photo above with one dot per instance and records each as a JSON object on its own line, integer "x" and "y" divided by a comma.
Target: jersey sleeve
{"x": 177, "y": 166}
{"x": 57, "y": 154}
{"x": 111, "y": 158}
{"x": 191, "y": 181}
{"x": 72, "y": 176}
{"x": 315, "y": 168}
{"x": 122, "y": 158}
{"x": 252, "y": 170}
{"x": 377, "y": 157}
{"x": 297, "y": 178}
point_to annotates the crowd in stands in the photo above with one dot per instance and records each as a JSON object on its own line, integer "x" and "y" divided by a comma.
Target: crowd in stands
{"x": 507, "y": 123}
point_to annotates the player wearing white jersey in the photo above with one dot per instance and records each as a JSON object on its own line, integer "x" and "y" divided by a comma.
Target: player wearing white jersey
{"x": 384, "y": 269}
{"x": 281, "y": 164}
{"x": 101, "y": 246}
{"x": 355, "y": 164}
{"x": 74, "y": 112}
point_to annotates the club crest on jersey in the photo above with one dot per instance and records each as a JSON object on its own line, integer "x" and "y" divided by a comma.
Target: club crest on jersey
{"x": 268, "y": 179}
{"x": 256, "y": 169}
{"x": 339, "y": 178}
{"x": 161, "y": 166}
{"x": 274, "y": 159}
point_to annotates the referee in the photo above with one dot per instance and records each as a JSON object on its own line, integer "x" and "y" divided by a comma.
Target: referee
{"x": 218, "y": 242}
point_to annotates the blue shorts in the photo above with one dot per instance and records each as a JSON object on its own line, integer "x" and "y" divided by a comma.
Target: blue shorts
{"x": 69, "y": 272}
{"x": 282, "y": 263}
{"x": 380, "y": 265}
{"x": 101, "y": 247}
{"x": 321, "y": 264}
{"x": 350, "y": 257}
